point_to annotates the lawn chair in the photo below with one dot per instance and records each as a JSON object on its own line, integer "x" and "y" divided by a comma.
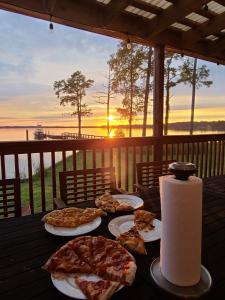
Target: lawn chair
{"x": 84, "y": 185}
{"x": 148, "y": 174}
{"x": 10, "y": 202}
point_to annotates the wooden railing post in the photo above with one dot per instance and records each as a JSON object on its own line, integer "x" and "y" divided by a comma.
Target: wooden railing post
{"x": 158, "y": 100}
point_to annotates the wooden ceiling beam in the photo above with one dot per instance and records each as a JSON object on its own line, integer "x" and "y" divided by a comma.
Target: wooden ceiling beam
{"x": 205, "y": 13}
{"x": 88, "y": 15}
{"x": 113, "y": 9}
{"x": 189, "y": 23}
{"x": 172, "y": 14}
{"x": 214, "y": 26}
{"x": 221, "y": 2}
{"x": 219, "y": 45}
{"x": 147, "y": 7}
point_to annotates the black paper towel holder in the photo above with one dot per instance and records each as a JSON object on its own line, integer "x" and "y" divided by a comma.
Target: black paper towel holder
{"x": 182, "y": 170}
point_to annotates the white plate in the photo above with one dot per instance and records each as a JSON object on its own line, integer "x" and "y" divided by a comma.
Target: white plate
{"x": 133, "y": 201}
{"x": 69, "y": 288}
{"x": 82, "y": 229}
{"x": 124, "y": 223}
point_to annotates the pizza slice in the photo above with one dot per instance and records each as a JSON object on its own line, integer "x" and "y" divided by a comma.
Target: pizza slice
{"x": 110, "y": 204}
{"x": 66, "y": 261}
{"x": 97, "y": 290}
{"x": 143, "y": 220}
{"x": 122, "y": 273}
{"x": 123, "y": 206}
{"x": 133, "y": 241}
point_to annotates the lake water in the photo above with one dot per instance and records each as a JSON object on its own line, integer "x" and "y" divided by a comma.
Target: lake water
{"x": 19, "y": 134}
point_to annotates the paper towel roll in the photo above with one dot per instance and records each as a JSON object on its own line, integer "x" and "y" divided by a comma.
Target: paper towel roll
{"x": 181, "y": 208}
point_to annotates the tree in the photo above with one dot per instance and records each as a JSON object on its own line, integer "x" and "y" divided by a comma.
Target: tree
{"x": 196, "y": 77}
{"x": 126, "y": 67}
{"x": 71, "y": 92}
{"x": 172, "y": 78}
{"x": 108, "y": 95}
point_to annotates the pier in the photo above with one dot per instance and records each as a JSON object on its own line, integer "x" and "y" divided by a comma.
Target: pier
{"x": 72, "y": 136}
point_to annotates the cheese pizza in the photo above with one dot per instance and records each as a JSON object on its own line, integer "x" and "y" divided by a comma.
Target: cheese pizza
{"x": 72, "y": 216}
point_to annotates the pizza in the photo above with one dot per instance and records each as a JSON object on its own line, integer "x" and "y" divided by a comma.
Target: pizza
{"x": 107, "y": 203}
{"x": 133, "y": 241}
{"x": 72, "y": 216}
{"x": 97, "y": 290}
{"x": 93, "y": 255}
{"x": 143, "y": 220}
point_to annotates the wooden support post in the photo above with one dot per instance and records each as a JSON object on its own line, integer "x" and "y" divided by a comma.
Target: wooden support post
{"x": 158, "y": 100}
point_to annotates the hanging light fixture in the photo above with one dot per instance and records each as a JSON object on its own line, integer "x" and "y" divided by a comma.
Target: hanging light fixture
{"x": 206, "y": 8}
{"x": 49, "y": 7}
{"x": 51, "y": 27}
{"x": 128, "y": 44}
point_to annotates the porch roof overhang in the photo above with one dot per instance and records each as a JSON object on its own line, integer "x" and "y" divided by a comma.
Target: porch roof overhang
{"x": 190, "y": 27}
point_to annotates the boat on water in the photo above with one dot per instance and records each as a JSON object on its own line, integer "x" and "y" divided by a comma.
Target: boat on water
{"x": 39, "y": 133}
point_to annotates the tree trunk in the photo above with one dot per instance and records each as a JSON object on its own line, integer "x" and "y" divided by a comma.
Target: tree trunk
{"x": 79, "y": 118}
{"x": 147, "y": 88}
{"x": 131, "y": 97}
{"x": 108, "y": 101}
{"x": 167, "y": 100}
{"x": 193, "y": 97}
{"x": 167, "y": 110}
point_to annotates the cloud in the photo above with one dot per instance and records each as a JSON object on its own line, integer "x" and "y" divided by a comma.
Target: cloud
{"x": 32, "y": 59}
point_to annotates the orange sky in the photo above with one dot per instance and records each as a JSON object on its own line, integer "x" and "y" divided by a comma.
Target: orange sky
{"x": 32, "y": 59}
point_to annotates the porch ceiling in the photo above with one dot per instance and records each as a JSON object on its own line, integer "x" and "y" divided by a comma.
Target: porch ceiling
{"x": 192, "y": 27}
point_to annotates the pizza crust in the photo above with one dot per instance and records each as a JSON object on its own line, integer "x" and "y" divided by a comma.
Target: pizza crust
{"x": 99, "y": 290}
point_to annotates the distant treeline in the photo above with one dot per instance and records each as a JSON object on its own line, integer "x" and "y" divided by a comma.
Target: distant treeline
{"x": 206, "y": 126}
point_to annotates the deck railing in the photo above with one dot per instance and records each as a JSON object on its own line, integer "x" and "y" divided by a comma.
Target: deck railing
{"x": 37, "y": 163}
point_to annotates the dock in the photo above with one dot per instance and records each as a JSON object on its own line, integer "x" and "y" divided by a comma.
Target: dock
{"x": 72, "y": 136}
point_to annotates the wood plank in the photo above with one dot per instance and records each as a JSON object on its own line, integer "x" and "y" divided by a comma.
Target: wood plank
{"x": 113, "y": 9}
{"x": 215, "y": 25}
{"x": 64, "y": 160}
{"x": 126, "y": 169}
{"x": 54, "y": 192}
{"x": 30, "y": 182}
{"x": 74, "y": 160}
{"x": 17, "y": 171}
{"x": 42, "y": 178}
{"x": 147, "y": 7}
{"x": 223, "y": 159}
{"x": 89, "y": 15}
{"x": 3, "y": 166}
{"x": 174, "y": 13}
{"x": 119, "y": 167}
{"x": 206, "y": 159}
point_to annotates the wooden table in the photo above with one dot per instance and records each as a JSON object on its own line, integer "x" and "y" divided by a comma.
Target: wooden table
{"x": 25, "y": 246}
